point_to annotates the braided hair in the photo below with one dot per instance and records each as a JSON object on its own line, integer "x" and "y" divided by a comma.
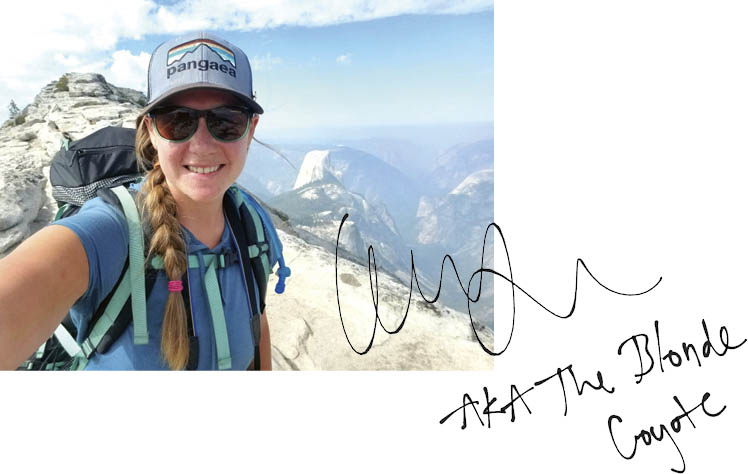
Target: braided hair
{"x": 158, "y": 206}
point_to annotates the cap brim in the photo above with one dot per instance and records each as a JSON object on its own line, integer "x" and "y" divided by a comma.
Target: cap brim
{"x": 253, "y": 106}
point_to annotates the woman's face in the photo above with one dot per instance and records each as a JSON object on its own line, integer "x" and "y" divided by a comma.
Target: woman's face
{"x": 180, "y": 160}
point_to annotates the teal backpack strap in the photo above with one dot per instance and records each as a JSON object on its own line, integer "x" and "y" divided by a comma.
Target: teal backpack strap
{"x": 269, "y": 235}
{"x": 61, "y": 210}
{"x": 261, "y": 247}
{"x": 119, "y": 298}
{"x": 193, "y": 261}
{"x": 67, "y": 341}
{"x": 40, "y": 352}
{"x": 216, "y": 312}
{"x": 137, "y": 265}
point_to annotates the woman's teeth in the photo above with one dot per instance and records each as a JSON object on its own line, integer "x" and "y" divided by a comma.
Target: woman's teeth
{"x": 203, "y": 170}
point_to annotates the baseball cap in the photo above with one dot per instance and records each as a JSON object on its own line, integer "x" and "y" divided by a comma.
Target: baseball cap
{"x": 199, "y": 60}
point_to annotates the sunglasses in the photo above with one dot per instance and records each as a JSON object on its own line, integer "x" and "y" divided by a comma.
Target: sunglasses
{"x": 178, "y": 124}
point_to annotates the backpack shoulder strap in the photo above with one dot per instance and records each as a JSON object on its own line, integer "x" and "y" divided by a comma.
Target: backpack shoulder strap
{"x": 269, "y": 235}
{"x": 108, "y": 317}
{"x": 247, "y": 241}
{"x": 136, "y": 260}
{"x": 112, "y": 317}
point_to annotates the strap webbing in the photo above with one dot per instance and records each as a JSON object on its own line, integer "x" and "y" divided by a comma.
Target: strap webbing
{"x": 261, "y": 248}
{"x": 108, "y": 316}
{"x": 219, "y": 320}
{"x": 79, "y": 362}
{"x": 67, "y": 341}
{"x": 194, "y": 357}
{"x": 40, "y": 352}
{"x": 158, "y": 263}
{"x": 249, "y": 270}
{"x": 257, "y": 221}
{"x": 137, "y": 266}
{"x": 55, "y": 365}
{"x": 61, "y": 210}
{"x": 257, "y": 249}
{"x": 265, "y": 264}
{"x": 256, "y": 334}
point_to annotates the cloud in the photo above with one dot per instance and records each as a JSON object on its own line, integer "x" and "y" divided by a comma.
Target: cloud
{"x": 243, "y": 15}
{"x": 43, "y": 42}
{"x": 83, "y": 35}
{"x": 264, "y": 63}
{"x": 69, "y": 60}
{"x": 129, "y": 70}
{"x": 344, "y": 58}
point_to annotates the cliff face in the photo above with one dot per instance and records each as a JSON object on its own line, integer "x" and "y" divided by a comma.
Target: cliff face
{"x": 305, "y": 326}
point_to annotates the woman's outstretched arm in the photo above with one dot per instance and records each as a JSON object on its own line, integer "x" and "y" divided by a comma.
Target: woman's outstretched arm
{"x": 39, "y": 282}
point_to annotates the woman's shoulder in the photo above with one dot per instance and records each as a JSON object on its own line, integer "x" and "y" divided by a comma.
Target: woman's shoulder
{"x": 98, "y": 213}
{"x": 101, "y": 227}
{"x": 102, "y": 230}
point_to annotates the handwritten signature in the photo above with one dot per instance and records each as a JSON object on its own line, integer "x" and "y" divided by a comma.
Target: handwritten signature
{"x": 647, "y": 436}
{"x": 374, "y": 285}
{"x": 640, "y": 342}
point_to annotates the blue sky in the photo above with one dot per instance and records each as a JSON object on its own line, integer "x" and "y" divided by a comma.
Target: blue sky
{"x": 351, "y": 63}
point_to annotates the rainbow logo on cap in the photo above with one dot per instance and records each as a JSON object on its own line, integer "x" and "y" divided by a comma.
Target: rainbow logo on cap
{"x": 177, "y": 53}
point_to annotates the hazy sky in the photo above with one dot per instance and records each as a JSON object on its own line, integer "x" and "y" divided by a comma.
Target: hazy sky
{"x": 335, "y": 63}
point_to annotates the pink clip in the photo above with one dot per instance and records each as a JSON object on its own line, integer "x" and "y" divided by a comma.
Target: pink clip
{"x": 175, "y": 285}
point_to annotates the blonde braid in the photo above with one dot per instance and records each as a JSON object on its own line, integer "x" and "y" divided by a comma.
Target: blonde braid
{"x": 158, "y": 204}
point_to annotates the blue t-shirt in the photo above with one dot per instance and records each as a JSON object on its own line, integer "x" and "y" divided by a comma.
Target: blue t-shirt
{"x": 102, "y": 229}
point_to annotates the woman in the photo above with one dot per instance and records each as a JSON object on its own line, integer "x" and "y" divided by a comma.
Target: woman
{"x": 193, "y": 136}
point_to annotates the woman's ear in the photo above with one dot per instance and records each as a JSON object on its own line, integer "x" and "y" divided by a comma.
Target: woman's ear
{"x": 151, "y": 132}
{"x": 253, "y": 125}
{"x": 251, "y": 134}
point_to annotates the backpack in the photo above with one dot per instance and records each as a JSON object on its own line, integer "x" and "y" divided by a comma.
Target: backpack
{"x": 103, "y": 164}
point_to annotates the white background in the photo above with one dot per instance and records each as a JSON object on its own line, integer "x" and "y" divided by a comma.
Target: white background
{"x": 621, "y": 140}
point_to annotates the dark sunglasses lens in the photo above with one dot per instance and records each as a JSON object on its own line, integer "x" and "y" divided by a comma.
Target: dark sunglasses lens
{"x": 226, "y": 123}
{"x": 176, "y": 124}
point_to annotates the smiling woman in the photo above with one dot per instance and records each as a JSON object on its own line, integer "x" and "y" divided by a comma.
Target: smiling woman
{"x": 199, "y": 158}
{"x": 204, "y": 259}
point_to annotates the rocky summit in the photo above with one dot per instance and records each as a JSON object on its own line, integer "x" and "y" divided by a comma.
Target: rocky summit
{"x": 72, "y": 106}
{"x": 307, "y": 330}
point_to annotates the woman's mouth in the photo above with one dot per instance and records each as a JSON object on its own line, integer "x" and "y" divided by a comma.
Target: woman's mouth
{"x": 204, "y": 170}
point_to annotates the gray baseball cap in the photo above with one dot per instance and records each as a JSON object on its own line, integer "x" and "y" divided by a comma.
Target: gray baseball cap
{"x": 199, "y": 60}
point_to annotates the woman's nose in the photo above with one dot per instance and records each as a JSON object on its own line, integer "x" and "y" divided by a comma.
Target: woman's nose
{"x": 202, "y": 136}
